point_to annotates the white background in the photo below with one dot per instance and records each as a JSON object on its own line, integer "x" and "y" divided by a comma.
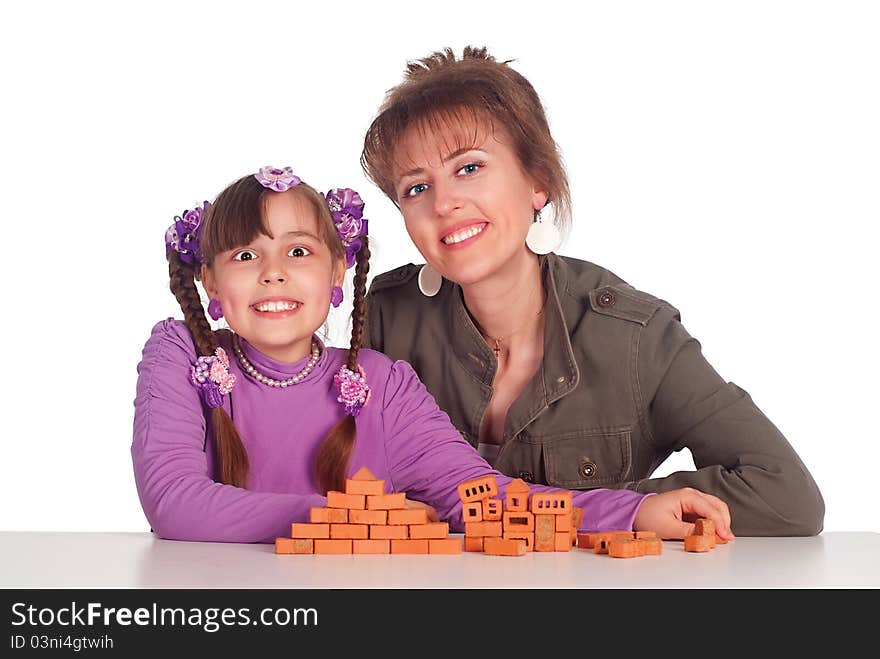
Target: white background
{"x": 722, "y": 156}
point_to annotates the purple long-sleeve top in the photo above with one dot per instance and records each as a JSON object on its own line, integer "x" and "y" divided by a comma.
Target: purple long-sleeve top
{"x": 402, "y": 437}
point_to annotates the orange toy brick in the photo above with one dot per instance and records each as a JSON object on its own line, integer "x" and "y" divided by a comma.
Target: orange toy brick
{"x": 545, "y": 532}
{"x": 640, "y": 535}
{"x": 704, "y": 526}
{"x": 371, "y": 546}
{"x": 528, "y": 538}
{"x": 603, "y": 539}
{"x": 444, "y": 546}
{"x": 409, "y": 546}
{"x": 483, "y": 529}
{"x": 491, "y": 510}
{"x": 472, "y": 543}
{"x": 364, "y": 482}
{"x": 309, "y": 530}
{"x": 396, "y": 501}
{"x": 577, "y": 518}
{"x": 551, "y": 503}
{"x": 432, "y": 531}
{"x": 586, "y": 540}
{"x": 698, "y": 543}
{"x": 328, "y": 516}
{"x": 385, "y": 532}
{"x": 343, "y": 500}
{"x": 520, "y": 521}
{"x": 653, "y": 546}
{"x": 407, "y": 516}
{"x": 503, "y": 547}
{"x": 332, "y": 546}
{"x": 349, "y": 531}
{"x": 563, "y": 524}
{"x": 294, "y": 546}
{"x": 478, "y": 489}
{"x": 516, "y": 496}
{"x": 472, "y": 512}
{"x": 367, "y": 516}
{"x": 621, "y": 548}
{"x": 562, "y": 540}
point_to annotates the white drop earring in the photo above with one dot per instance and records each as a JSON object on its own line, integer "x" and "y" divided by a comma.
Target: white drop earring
{"x": 543, "y": 237}
{"x": 430, "y": 281}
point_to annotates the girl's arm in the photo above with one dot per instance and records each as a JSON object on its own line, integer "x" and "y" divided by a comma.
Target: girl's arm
{"x": 428, "y": 459}
{"x": 178, "y": 495}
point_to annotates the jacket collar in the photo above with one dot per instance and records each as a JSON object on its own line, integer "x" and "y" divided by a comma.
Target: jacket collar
{"x": 558, "y": 373}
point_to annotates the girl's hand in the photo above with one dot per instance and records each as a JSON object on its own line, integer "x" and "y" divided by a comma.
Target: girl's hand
{"x": 671, "y": 514}
{"x": 432, "y": 514}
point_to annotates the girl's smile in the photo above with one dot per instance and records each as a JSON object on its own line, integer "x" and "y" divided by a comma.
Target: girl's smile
{"x": 276, "y": 307}
{"x": 463, "y": 234}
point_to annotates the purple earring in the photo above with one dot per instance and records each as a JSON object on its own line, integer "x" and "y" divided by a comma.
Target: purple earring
{"x": 215, "y": 310}
{"x": 336, "y": 296}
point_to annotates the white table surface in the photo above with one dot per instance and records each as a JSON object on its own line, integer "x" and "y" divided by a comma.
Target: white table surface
{"x": 140, "y": 560}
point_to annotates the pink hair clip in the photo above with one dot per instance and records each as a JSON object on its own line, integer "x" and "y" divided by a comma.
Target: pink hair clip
{"x": 212, "y": 378}
{"x": 353, "y": 389}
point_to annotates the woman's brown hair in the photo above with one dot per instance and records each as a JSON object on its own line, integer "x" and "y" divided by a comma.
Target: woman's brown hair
{"x": 442, "y": 91}
{"x": 235, "y": 219}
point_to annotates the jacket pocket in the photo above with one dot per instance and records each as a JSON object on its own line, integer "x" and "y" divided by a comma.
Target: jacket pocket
{"x": 589, "y": 458}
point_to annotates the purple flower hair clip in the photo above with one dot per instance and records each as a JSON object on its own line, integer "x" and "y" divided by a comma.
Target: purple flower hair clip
{"x": 212, "y": 378}
{"x": 353, "y": 389}
{"x": 277, "y": 179}
{"x": 347, "y": 209}
{"x": 184, "y": 236}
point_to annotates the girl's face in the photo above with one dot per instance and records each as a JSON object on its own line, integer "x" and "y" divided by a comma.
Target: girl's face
{"x": 275, "y": 292}
{"x": 466, "y": 210}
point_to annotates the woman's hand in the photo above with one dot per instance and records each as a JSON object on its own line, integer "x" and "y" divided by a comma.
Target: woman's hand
{"x": 671, "y": 514}
{"x": 432, "y": 514}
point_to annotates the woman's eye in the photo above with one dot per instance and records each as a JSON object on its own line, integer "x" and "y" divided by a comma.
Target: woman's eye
{"x": 244, "y": 255}
{"x": 299, "y": 251}
{"x": 470, "y": 168}
{"x": 415, "y": 190}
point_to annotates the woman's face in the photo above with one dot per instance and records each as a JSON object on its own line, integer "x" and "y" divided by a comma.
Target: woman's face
{"x": 275, "y": 292}
{"x": 467, "y": 209}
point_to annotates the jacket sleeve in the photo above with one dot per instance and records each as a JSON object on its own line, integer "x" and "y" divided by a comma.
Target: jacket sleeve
{"x": 428, "y": 459}
{"x": 740, "y": 456}
{"x": 180, "y": 499}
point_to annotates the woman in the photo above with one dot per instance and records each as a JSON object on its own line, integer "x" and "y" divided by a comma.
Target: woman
{"x": 555, "y": 369}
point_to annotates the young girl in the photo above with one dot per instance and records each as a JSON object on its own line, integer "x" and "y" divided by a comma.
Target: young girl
{"x": 239, "y": 432}
{"x": 554, "y": 368}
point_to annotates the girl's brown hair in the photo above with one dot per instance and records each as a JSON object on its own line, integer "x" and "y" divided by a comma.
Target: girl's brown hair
{"x": 442, "y": 91}
{"x": 235, "y": 218}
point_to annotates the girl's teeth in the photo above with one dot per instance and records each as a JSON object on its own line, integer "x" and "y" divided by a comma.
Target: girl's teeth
{"x": 276, "y": 306}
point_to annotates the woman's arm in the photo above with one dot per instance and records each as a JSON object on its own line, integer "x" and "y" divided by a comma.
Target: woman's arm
{"x": 741, "y": 457}
{"x": 178, "y": 495}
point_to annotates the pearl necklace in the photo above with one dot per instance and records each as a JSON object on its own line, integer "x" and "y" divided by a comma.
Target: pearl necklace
{"x": 265, "y": 379}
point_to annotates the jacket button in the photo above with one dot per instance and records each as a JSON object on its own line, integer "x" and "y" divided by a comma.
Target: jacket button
{"x": 606, "y": 299}
{"x": 589, "y": 469}
{"x": 526, "y": 476}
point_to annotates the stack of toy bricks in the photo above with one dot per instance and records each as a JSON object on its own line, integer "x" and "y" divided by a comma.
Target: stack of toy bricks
{"x": 365, "y": 520}
{"x": 546, "y": 522}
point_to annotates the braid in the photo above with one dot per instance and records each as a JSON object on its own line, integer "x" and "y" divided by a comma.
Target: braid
{"x": 183, "y": 286}
{"x": 231, "y": 453}
{"x": 359, "y": 309}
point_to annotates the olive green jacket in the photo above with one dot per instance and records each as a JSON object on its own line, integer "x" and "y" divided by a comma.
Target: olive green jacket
{"x": 621, "y": 386}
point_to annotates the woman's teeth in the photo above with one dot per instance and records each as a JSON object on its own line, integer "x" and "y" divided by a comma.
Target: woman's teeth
{"x": 276, "y": 306}
{"x": 464, "y": 234}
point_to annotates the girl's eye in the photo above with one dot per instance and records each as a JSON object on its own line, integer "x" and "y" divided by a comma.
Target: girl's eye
{"x": 470, "y": 168}
{"x": 415, "y": 190}
{"x": 244, "y": 255}
{"x": 299, "y": 251}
